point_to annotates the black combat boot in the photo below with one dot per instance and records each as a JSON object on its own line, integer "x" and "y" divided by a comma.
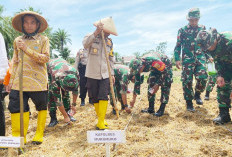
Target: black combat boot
{"x": 207, "y": 95}
{"x": 160, "y": 112}
{"x": 150, "y": 109}
{"x": 197, "y": 97}
{"x": 190, "y": 106}
{"x": 82, "y": 102}
{"x": 53, "y": 121}
{"x": 223, "y": 117}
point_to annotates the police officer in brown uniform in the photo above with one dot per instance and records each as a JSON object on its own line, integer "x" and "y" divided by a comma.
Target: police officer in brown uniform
{"x": 80, "y": 65}
{"x": 97, "y": 74}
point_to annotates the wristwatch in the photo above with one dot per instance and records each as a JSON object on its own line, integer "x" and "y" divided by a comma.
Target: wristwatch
{"x": 74, "y": 104}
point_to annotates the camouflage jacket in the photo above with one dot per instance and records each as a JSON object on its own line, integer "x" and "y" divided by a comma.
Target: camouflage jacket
{"x": 163, "y": 77}
{"x": 223, "y": 53}
{"x": 121, "y": 74}
{"x": 186, "y": 41}
{"x": 57, "y": 69}
{"x": 120, "y": 70}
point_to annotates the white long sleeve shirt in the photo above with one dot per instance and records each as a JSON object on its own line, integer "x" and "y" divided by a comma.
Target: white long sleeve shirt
{"x": 3, "y": 58}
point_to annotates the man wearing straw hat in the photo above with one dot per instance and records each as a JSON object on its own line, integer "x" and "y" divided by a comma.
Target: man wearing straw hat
{"x": 35, "y": 49}
{"x": 98, "y": 84}
{"x": 193, "y": 59}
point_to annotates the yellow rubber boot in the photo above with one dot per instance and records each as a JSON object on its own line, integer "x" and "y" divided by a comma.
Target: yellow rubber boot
{"x": 101, "y": 114}
{"x": 15, "y": 124}
{"x": 38, "y": 139}
{"x": 96, "y": 105}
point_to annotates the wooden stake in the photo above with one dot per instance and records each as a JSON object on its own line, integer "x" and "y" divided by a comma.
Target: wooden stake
{"x": 110, "y": 77}
{"x": 21, "y": 53}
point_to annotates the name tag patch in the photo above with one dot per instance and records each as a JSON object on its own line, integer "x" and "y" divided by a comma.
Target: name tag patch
{"x": 95, "y": 50}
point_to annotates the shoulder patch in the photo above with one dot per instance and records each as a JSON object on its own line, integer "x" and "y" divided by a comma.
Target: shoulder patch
{"x": 109, "y": 42}
{"x": 111, "y": 53}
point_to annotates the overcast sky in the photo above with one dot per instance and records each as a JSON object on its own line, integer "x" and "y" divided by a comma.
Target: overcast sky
{"x": 141, "y": 24}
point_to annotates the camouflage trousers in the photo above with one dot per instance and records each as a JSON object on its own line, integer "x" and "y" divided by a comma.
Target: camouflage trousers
{"x": 138, "y": 81}
{"x": 188, "y": 70}
{"x": 165, "y": 88}
{"x": 120, "y": 87}
{"x": 211, "y": 82}
{"x": 223, "y": 93}
{"x": 52, "y": 100}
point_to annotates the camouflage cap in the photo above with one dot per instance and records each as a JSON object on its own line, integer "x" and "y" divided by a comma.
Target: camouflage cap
{"x": 193, "y": 13}
{"x": 205, "y": 39}
{"x": 135, "y": 65}
{"x": 69, "y": 82}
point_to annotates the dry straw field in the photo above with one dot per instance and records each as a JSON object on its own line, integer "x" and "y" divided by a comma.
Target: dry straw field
{"x": 176, "y": 134}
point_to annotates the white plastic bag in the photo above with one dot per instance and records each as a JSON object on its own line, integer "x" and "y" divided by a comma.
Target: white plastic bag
{"x": 211, "y": 69}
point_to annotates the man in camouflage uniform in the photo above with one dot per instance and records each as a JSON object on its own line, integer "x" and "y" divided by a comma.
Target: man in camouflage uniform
{"x": 160, "y": 68}
{"x": 62, "y": 79}
{"x": 193, "y": 59}
{"x": 121, "y": 73}
{"x": 80, "y": 65}
{"x": 219, "y": 46}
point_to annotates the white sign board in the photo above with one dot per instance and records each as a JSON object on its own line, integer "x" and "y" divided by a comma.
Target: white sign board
{"x": 15, "y": 142}
{"x": 106, "y": 136}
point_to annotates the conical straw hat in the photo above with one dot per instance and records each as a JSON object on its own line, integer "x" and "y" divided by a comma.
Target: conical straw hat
{"x": 17, "y": 21}
{"x": 108, "y": 26}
